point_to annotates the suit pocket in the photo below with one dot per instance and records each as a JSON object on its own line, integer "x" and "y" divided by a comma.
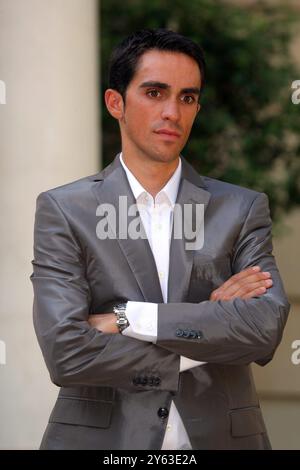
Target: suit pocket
{"x": 207, "y": 274}
{"x": 246, "y": 422}
{"x": 82, "y": 412}
{"x": 215, "y": 269}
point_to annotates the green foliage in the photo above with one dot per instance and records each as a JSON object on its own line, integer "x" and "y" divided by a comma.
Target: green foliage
{"x": 248, "y": 130}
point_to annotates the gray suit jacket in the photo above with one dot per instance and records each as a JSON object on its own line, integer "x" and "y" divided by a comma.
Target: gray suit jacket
{"x": 116, "y": 391}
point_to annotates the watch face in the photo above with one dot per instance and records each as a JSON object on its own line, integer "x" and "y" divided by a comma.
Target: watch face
{"x": 121, "y": 319}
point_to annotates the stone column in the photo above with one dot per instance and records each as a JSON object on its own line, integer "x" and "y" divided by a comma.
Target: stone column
{"x": 49, "y": 135}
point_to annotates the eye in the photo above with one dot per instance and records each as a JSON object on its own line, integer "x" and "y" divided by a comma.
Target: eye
{"x": 153, "y": 93}
{"x": 188, "y": 99}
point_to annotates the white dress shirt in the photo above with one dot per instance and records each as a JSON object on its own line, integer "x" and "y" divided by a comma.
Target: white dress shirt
{"x": 157, "y": 217}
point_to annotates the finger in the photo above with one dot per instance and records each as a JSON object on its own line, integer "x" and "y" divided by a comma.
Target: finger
{"x": 241, "y": 291}
{"x": 256, "y": 293}
{"x": 246, "y": 276}
{"x": 241, "y": 275}
{"x": 245, "y": 290}
{"x": 263, "y": 278}
{"x": 213, "y": 296}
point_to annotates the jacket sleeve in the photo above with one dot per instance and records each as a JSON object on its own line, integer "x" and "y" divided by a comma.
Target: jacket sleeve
{"x": 75, "y": 353}
{"x": 238, "y": 331}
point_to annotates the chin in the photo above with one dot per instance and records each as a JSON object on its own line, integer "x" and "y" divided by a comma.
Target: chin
{"x": 165, "y": 157}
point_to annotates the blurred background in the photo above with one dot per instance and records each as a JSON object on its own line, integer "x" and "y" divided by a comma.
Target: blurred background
{"x": 54, "y": 129}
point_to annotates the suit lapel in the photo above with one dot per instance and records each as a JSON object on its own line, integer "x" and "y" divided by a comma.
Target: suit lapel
{"x": 113, "y": 183}
{"x": 191, "y": 191}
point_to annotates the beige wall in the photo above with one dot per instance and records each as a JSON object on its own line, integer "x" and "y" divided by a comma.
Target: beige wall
{"x": 49, "y": 135}
{"x": 278, "y": 383}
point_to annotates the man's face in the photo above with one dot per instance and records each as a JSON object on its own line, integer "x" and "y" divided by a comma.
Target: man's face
{"x": 161, "y": 105}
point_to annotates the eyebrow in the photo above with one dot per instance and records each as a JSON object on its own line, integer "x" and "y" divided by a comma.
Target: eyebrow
{"x": 165, "y": 86}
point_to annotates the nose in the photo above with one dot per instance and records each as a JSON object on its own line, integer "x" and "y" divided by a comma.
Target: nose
{"x": 171, "y": 111}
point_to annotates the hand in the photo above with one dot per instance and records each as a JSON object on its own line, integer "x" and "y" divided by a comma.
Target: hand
{"x": 247, "y": 284}
{"x": 104, "y": 322}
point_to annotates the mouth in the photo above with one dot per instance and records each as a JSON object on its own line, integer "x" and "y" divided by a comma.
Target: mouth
{"x": 168, "y": 133}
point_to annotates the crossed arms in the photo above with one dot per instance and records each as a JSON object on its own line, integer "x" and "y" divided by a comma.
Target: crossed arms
{"x": 245, "y": 285}
{"x": 236, "y": 330}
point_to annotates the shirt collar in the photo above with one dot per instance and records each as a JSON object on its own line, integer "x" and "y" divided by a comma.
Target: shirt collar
{"x": 170, "y": 189}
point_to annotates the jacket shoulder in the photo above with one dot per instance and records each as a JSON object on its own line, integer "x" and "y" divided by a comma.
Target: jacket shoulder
{"x": 71, "y": 190}
{"x": 222, "y": 188}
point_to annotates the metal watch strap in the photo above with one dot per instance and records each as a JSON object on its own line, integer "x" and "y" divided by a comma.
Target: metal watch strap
{"x": 121, "y": 319}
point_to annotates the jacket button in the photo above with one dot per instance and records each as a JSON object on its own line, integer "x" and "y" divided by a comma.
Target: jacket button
{"x": 199, "y": 334}
{"x": 163, "y": 413}
{"x": 193, "y": 334}
{"x": 144, "y": 380}
{"x": 179, "y": 332}
{"x": 156, "y": 381}
{"x": 136, "y": 381}
{"x": 186, "y": 334}
{"x": 151, "y": 381}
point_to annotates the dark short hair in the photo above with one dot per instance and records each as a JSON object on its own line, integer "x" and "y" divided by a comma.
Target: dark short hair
{"x": 126, "y": 55}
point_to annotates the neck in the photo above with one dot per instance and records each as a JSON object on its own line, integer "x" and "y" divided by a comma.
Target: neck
{"x": 152, "y": 175}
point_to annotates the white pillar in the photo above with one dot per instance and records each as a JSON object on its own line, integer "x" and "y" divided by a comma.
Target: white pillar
{"x": 49, "y": 135}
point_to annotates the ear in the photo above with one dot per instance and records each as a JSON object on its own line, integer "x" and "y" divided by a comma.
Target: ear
{"x": 114, "y": 103}
{"x": 198, "y": 107}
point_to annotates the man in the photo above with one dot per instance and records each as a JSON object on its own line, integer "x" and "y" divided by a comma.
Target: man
{"x": 151, "y": 337}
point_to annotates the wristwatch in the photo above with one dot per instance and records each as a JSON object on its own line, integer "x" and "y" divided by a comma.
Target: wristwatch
{"x": 121, "y": 319}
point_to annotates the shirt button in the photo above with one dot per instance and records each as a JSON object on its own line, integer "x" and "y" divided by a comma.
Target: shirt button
{"x": 163, "y": 413}
{"x": 161, "y": 275}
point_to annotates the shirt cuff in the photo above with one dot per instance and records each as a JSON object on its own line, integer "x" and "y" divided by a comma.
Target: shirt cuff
{"x": 186, "y": 363}
{"x": 142, "y": 317}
